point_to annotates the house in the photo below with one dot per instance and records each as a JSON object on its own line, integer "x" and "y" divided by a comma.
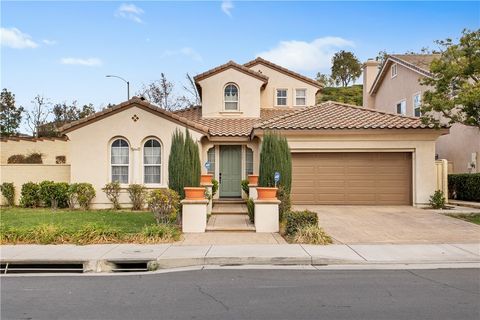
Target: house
{"x": 396, "y": 88}
{"x": 341, "y": 154}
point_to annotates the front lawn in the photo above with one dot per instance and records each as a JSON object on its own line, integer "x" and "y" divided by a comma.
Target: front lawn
{"x": 20, "y": 225}
{"x": 473, "y": 218}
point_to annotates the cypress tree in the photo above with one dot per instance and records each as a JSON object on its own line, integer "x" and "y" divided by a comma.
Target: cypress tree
{"x": 275, "y": 156}
{"x": 191, "y": 163}
{"x": 176, "y": 163}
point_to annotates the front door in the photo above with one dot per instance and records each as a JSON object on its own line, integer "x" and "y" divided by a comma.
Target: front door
{"x": 230, "y": 171}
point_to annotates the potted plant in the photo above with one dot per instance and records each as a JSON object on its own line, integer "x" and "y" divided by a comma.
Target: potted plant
{"x": 253, "y": 179}
{"x": 206, "y": 179}
{"x": 267, "y": 193}
{"x": 194, "y": 193}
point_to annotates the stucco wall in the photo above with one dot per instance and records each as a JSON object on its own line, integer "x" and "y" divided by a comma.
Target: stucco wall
{"x": 213, "y": 94}
{"x": 90, "y": 149}
{"x": 422, "y": 147}
{"x": 49, "y": 148}
{"x": 22, "y": 173}
{"x": 278, "y": 80}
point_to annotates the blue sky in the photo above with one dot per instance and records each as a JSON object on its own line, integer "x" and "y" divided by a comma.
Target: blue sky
{"x": 63, "y": 50}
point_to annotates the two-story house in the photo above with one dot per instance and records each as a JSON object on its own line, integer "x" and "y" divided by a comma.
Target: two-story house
{"x": 341, "y": 154}
{"x": 396, "y": 88}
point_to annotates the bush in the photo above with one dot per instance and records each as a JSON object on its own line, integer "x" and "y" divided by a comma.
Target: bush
{"x": 72, "y": 195}
{"x": 275, "y": 156}
{"x": 60, "y": 159}
{"x": 311, "y": 234}
{"x": 251, "y": 210}
{"x": 112, "y": 190}
{"x": 437, "y": 200}
{"x": 214, "y": 187}
{"x": 8, "y": 192}
{"x": 164, "y": 204}
{"x": 465, "y": 186}
{"x": 245, "y": 187}
{"x": 34, "y": 157}
{"x": 136, "y": 193}
{"x": 96, "y": 233}
{"x": 16, "y": 158}
{"x": 53, "y": 194}
{"x": 84, "y": 194}
{"x": 160, "y": 233}
{"x": 285, "y": 203}
{"x": 29, "y": 197}
{"x": 298, "y": 219}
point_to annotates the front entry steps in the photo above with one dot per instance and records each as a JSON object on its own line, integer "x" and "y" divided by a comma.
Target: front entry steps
{"x": 231, "y": 217}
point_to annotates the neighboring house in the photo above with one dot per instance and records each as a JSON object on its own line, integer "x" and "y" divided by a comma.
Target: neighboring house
{"x": 341, "y": 154}
{"x": 396, "y": 88}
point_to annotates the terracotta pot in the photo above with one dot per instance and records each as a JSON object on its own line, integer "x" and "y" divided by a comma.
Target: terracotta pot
{"x": 265, "y": 193}
{"x": 206, "y": 179}
{"x": 253, "y": 179}
{"x": 194, "y": 193}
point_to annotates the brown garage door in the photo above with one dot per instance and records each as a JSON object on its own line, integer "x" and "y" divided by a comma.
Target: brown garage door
{"x": 357, "y": 178}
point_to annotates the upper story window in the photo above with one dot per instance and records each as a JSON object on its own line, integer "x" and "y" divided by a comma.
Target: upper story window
{"x": 119, "y": 160}
{"x": 402, "y": 107}
{"x": 152, "y": 161}
{"x": 394, "y": 70}
{"x": 281, "y": 97}
{"x": 231, "y": 97}
{"x": 300, "y": 97}
{"x": 417, "y": 101}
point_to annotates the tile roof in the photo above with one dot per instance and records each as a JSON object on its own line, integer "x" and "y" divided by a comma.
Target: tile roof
{"x": 230, "y": 64}
{"x": 291, "y": 73}
{"x": 335, "y": 115}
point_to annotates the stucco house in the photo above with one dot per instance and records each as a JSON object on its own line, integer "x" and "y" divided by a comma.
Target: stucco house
{"x": 341, "y": 154}
{"x": 396, "y": 88}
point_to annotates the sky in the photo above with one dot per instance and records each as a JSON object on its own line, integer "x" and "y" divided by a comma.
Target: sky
{"x": 63, "y": 50}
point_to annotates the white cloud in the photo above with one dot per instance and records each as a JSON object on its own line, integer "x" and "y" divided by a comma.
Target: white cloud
{"x": 90, "y": 62}
{"x": 49, "y": 42}
{"x": 185, "y": 51}
{"x": 306, "y": 56}
{"x": 15, "y": 38}
{"x": 130, "y": 12}
{"x": 227, "y": 7}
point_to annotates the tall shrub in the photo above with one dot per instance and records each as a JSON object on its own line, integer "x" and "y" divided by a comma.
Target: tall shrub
{"x": 85, "y": 194}
{"x": 53, "y": 194}
{"x": 29, "y": 197}
{"x": 275, "y": 156}
{"x": 112, "y": 191}
{"x": 8, "y": 192}
{"x": 192, "y": 162}
{"x": 136, "y": 193}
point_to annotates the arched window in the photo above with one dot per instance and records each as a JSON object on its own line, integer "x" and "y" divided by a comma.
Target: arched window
{"x": 151, "y": 161}
{"x": 211, "y": 159}
{"x": 248, "y": 161}
{"x": 120, "y": 160}
{"x": 231, "y": 97}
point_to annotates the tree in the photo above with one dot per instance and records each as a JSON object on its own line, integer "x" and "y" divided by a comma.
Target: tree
{"x": 345, "y": 68}
{"x": 159, "y": 92}
{"x": 38, "y": 115}
{"x": 64, "y": 113}
{"x": 351, "y": 95}
{"x": 191, "y": 89}
{"x": 10, "y": 115}
{"x": 275, "y": 156}
{"x": 456, "y": 83}
{"x": 323, "y": 79}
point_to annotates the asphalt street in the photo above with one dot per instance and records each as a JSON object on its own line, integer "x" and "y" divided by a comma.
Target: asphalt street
{"x": 247, "y": 294}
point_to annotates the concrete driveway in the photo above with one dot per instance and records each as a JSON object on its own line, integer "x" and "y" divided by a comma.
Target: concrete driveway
{"x": 392, "y": 224}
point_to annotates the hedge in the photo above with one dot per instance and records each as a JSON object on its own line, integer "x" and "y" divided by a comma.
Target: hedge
{"x": 464, "y": 186}
{"x": 299, "y": 219}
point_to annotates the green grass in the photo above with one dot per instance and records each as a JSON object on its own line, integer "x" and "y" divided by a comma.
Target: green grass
{"x": 473, "y": 218}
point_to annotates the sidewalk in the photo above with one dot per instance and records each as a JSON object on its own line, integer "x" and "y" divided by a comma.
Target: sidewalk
{"x": 100, "y": 258}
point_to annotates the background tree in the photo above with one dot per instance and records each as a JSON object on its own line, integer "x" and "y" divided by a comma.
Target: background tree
{"x": 345, "y": 68}
{"x": 192, "y": 91}
{"x": 38, "y": 115}
{"x": 323, "y": 79}
{"x": 350, "y": 95}
{"x": 64, "y": 113}
{"x": 455, "y": 81}
{"x": 160, "y": 92}
{"x": 10, "y": 115}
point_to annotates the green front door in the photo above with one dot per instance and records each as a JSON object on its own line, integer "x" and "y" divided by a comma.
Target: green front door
{"x": 230, "y": 171}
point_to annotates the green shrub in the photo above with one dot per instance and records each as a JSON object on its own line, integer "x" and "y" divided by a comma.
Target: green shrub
{"x": 136, "y": 192}
{"x": 34, "y": 158}
{"x": 437, "y": 200}
{"x": 192, "y": 167}
{"x": 84, "y": 194}
{"x": 311, "y": 234}
{"x": 112, "y": 190}
{"x": 251, "y": 210}
{"x": 275, "y": 156}
{"x": 16, "y": 158}
{"x": 464, "y": 186}
{"x": 53, "y": 194}
{"x": 72, "y": 195}
{"x": 298, "y": 219}
{"x": 44, "y": 234}
{"x": 8, "y": 192}
{"x": 245, "y": 187}
{"x": 164, "y": 204}
{"x": 214, "y": 187}
{"x": 285, "y": 203}
{"x": 29, "y": 197}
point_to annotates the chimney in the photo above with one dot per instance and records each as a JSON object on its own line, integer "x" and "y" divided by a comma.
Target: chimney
{"x": 370, "y": 71}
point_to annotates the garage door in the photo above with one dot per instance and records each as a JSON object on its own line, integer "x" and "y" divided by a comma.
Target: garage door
{"x": 367, "y": 178}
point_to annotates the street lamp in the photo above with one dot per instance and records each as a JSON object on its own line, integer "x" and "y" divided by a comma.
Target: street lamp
{"x": 128, "y": 83}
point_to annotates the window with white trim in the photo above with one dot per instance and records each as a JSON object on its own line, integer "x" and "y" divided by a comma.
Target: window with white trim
{"x": 417, "y": 101}
{"x": 152, "y": 161}
{"x": 248, "y": 161}
{"x": 119, "y": 160}
{"x": 300, "y": 97}
{"x": 402, "y": 107}
{"x": 211, "y": 160}
{"x": 230, "y": 97}
{"x": 281, "y": 97}
{"x": 394, "y": 70}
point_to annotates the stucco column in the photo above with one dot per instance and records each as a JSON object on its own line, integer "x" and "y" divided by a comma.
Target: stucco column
{"x": 194, "y": 215}
{"x": 136, "y": 176}
{"x": 266, "y": 215}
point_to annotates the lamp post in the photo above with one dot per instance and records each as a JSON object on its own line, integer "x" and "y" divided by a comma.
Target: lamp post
{"x": 128, "y": 83}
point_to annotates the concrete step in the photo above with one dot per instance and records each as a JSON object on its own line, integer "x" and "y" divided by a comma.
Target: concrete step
{"x": 230, "y": 223}
{"x": 229, "y": 201}
{"x": 229, "y": 209}
{"x": 230, "y": 229}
